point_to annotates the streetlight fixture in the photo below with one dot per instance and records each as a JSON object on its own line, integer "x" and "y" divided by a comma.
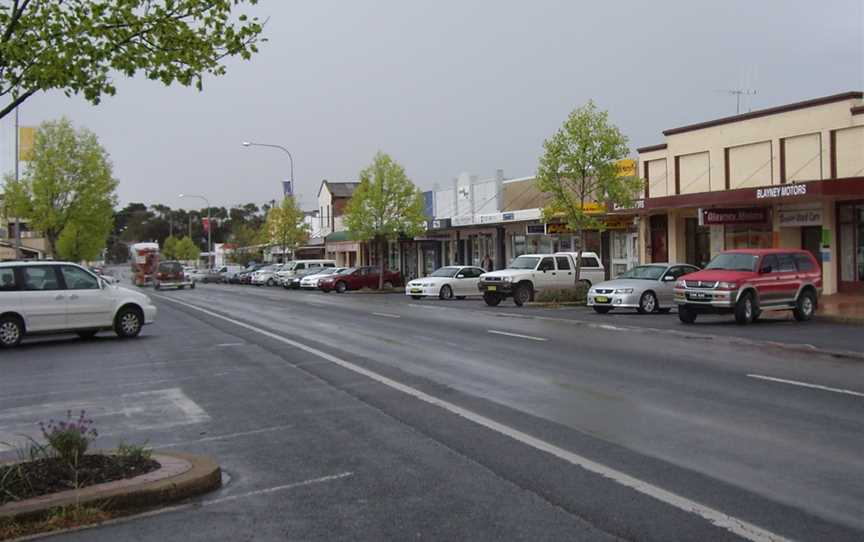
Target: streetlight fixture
{"x": 280, "y": 147}
{"x": 209, "y": 227}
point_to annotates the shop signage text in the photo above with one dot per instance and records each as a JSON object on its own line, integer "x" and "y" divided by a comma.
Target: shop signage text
{"x": 800, "y": 217}
{"x": 788, "y": 191}
{"x": 626, "y": 167}
{"x": 734, "y": 216}
{"x": 439, "y": 223}
{"x": 535, "y": 229}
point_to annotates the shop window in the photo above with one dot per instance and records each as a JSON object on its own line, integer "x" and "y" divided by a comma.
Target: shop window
{"x": 518, "y": 245}
{"x": 748, "y": 236}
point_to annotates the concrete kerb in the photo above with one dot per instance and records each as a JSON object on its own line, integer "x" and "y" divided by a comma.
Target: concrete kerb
{"x": 180, "y": 477}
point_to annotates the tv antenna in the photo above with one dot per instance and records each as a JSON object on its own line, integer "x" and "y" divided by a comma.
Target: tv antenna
{"x": 738, "y": 92}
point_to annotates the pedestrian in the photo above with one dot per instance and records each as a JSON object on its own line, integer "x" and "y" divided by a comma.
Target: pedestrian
{"x": 487, "y": 263}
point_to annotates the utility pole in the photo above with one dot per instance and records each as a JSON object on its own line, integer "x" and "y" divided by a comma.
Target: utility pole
{"x": 17, "y": 176}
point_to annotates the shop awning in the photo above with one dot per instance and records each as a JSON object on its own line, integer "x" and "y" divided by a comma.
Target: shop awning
{"x": 339, "y": 236}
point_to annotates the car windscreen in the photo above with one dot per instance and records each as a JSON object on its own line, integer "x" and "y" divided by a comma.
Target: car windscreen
{"x": 346, "y": 271}
{"x": 644, "y": 272}
{"x": 734, "y": 261}
{"x": 445, "y": 272}
{"x": 524, "y": 262}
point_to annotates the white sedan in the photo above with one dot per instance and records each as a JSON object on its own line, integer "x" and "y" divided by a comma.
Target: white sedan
{"x": 446, "y": 283}
{"x": 310, "y": 282}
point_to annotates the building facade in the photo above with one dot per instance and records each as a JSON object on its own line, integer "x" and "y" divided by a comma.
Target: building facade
{"x": 338, "y": 245}
{"x": 789, "y": 177}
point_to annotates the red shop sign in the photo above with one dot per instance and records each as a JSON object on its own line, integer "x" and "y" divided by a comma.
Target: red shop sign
{"x": 752, "y": 215}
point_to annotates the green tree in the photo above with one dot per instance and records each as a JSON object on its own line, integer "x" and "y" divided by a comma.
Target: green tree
{"x": 69, "y": 185}
{"x": 245, "y": 237}
{"x": 186, "y": 250}
{"x": 169, "y": 248}
{"x": 285, "y": 227}
{"x": 75, "y": 46}
{"x": 578, "y": 170}
{"x": 384, "y": 206}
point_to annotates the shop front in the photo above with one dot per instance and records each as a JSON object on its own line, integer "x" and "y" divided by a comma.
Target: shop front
{"x": 850, "y": 246}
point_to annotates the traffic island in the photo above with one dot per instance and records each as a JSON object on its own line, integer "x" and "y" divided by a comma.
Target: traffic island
{"x": 178, "y": 476}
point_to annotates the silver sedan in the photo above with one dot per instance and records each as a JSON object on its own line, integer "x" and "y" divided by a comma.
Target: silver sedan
{"x": 646, "y": 288}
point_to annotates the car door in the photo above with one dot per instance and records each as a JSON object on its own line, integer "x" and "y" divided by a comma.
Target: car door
{"x": 42, "y": 298}
{"x": 666, "y": 285}
{"x": 87, "y": 304}
{"x": 767, "y": 280}
{"x": 471, "y": 280}
{"x": 787, "y": 283}
{"x": 565, "y": 273}
{"x": 544, "y": 276}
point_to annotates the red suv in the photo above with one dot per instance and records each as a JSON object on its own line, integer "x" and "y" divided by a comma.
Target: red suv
{"x": 748, "y": 282}
{"x": 355, "y": 278}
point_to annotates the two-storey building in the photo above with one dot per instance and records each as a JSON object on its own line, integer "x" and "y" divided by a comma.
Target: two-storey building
{"x": 790, "y": 177}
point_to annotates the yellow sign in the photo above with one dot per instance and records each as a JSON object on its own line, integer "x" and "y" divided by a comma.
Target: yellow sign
{"x": 26, "y": 142}
{"x": 626, "y": 167}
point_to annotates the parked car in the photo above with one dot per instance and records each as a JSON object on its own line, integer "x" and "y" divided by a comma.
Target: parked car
{"x": 56, "y": 297}
{"x": 228, "y": 272}
{"x": 446, "y": 283}
{"x": 245, "y": 276}
{"x": 170, "y": 275}
{"x": 747, "y": 283}
{"x": 204, "y": 275}
{"x": 299, "y": 266}
{"x": 266, "y": 276}
{"x": 357, "y": 278}
{"x": 293, "y": 283}
{"x": 646, "y": 288}
{"x": 310, "y": 282}
{"x": 531, "y": 273}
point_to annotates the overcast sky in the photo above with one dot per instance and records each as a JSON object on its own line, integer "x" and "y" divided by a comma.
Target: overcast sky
{"x": 452, "y": 86}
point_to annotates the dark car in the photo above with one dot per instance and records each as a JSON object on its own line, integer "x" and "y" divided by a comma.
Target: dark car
{"x": 747, "y": 283}
{"x": 171, "y": 275}
{"x": 355, "y": 278}
{"x": 293, "y": 282}
{"x": 245, "y": 276}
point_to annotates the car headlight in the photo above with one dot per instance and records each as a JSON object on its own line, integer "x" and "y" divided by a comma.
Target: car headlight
{"x": 624, "y": 291}
{"x": 507, "y": 279}
{"x": 680, "y": 284}
{"x": 726, "y": 286}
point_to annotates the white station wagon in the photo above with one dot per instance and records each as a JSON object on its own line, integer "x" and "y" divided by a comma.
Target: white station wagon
{"x": 60, "y": 297}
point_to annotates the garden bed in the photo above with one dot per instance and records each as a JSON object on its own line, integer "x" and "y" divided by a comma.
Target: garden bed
{"x": 25, "y": 480}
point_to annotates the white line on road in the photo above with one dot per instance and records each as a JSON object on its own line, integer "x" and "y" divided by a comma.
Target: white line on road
{"x": 715, "y": 517}
{"x": 221, "y": 437}
{"x": 806, "y": 385}
{"x": 269, "y": 490}
{"x": 529, "y": 337}
{"x": 385, "y": 315}
{"x": 223, "y": 345}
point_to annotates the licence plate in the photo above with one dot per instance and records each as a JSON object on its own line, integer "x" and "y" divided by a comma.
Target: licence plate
{"x": 491, "y": 288}
{"x": 698, "y": 295}
{"x": 416, "y": 291}
{"x": 601, "y": 299}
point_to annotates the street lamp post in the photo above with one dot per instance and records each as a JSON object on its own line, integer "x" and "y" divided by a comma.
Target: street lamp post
{"x": 280, "y": 147}
{"x": 209, "y": 227}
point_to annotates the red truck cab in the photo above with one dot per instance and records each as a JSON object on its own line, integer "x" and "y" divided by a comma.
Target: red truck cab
{"x": 748, "y": 282}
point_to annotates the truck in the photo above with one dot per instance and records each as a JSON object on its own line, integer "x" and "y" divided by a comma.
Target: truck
{"x": 145, "y": 262}
{"x": 532, "y": 273}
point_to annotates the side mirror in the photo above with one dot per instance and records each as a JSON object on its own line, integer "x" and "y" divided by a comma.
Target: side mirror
{"x": 668, "y": 278}
{"x": 460, "y": 276}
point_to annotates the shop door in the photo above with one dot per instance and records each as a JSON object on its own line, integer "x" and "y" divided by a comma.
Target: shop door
{"x": 698, "y": 241}
{"x": 811, "y": 240}
{"x": 659, "y": 238}
{"x": 851, "y": 246}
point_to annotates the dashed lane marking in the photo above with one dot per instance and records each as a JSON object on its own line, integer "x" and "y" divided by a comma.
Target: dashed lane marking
{"x": 715, "y": 517}
{"x": 385, "y": 315}
{"x": 517, "y": 335}
{"x": 806, "y": 385}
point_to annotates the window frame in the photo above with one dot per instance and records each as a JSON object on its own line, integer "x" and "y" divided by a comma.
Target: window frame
{"x": 66, "y": 286}
{"x": 20, "y": 271}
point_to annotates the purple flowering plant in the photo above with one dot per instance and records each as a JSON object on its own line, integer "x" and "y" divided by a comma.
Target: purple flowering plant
{"x": 71, "y": 437}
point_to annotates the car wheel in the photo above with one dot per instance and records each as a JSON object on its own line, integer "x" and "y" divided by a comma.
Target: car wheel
{"x": 805, "y": 307}
{"x": 416, "y": 297}
{"x": 87, "y": 334}
{"x": 647, "y": 303}
{"x": 492, "y": 299}
{"x": 601, "y": 310}
{"x": 270, "y": 282}
{"x": 341, "y": 287}
{"x": 687, "y": 316}
{"x": 745, "y": 309}
{"x": 446, "y": 292}
{"x": 522, "y": 295}
{"x": 11, "y": 331}
{"x": 128, "y": 322}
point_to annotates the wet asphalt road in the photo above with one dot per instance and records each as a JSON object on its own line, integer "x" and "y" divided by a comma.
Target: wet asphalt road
{"x": 691, "y": 413}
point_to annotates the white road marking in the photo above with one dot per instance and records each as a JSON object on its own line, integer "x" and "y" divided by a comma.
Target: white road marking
{"x": 147, "y": 410}
{"x": 220, "y": 437}
{"x": 223, "y": 345}
{"x": 806, "y": 385}
{"x": 274, "y": 489}
{"x": 715, "y": 517}
{"x": 529, "y": 337}
{"x": 385, "y": 315}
